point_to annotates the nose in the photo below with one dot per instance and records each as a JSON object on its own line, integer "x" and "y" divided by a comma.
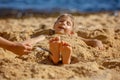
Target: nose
{"x": 64, "y": 22}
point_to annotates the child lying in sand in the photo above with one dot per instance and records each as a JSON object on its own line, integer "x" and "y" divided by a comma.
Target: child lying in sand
{"x": 20, "y": 48}
{"x": 65, "y": 25}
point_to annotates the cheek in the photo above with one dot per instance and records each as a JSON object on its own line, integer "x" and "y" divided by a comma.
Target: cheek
{"x": 69, "y": 28}
{"x": 55, "y": 26}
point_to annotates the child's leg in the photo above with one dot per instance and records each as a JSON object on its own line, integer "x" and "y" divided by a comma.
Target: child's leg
{"x": 54, "y": 45}
{"x": 66, "y": 52}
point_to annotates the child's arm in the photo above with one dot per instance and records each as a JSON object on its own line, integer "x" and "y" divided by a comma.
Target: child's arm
{"x": 93, "y": 43}
{"x": 15, "y": 47}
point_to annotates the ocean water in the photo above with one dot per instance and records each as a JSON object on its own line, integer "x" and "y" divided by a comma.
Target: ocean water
{"x": 61, "y": 5}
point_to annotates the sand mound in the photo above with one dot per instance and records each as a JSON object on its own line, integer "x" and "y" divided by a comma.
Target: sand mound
{"x": 88, "y": 63}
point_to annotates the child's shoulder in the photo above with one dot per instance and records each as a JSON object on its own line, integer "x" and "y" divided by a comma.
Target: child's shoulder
{"x": 51, "y": 32}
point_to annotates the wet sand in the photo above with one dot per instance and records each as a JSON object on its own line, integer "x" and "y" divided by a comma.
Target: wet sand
{"x": 88, "y": 63}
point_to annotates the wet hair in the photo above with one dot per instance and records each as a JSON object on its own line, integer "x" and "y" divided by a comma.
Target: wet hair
{"x": 68, "y": 16}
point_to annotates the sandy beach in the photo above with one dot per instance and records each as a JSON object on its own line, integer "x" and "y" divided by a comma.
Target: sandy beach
{"x": 88, "y": 63}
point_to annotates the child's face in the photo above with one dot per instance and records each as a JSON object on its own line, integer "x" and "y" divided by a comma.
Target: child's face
{"x": 64, "y": 25}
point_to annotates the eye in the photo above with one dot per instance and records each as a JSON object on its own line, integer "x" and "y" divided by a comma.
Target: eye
{"x": 68, "y": 23}
{"x": 60, "y": 22}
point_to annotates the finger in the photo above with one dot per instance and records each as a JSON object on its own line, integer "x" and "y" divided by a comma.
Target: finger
{"x": 28, "y": 48}
{"x": 27, "y": 51}
{"x": 27, "y": 44}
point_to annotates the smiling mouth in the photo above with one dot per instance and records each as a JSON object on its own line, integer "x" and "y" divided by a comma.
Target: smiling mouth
{"x": 61, "y": 27}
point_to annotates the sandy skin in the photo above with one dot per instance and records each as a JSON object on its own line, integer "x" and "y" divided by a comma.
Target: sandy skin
{"x": 66, "y": 52}
{"x": 58, "y": 48}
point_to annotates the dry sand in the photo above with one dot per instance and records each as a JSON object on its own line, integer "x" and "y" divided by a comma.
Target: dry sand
{"x": 88, "y": 63}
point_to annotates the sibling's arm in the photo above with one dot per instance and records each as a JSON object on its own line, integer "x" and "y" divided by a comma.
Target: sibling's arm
{"x": 15, "y": 47}
{"x": 93, "y": 43}
{"x": 20, "y": 48}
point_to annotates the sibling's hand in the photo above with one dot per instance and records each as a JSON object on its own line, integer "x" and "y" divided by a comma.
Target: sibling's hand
{"x": 21, "y": 48}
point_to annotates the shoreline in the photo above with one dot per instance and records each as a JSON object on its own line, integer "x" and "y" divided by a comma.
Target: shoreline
{"x": 14, "y": 13}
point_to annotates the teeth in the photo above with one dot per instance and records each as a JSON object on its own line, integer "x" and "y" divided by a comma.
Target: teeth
{"x": 61, "y": 27}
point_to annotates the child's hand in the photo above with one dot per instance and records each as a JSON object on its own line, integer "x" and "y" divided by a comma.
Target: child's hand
{"x": 96, "y": 43}
{"x": 20, "y": 48}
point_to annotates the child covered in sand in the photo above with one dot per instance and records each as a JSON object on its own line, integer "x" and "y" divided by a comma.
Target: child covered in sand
{"x": 65, "y": 25}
